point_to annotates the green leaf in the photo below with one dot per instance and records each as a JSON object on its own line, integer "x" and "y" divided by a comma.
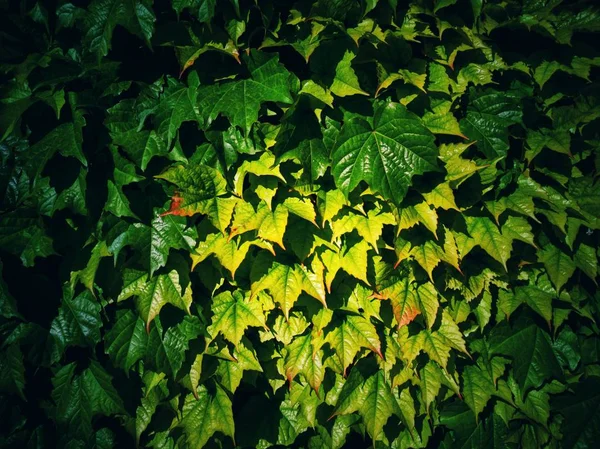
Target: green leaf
{"x": 104, "y": 15}
{"x": 233, "y": 314}
{"x": 23, "y": 234}
{"x": 347, "y": 339}
{"x": 489, "y": 115}
{"x": 402, "y": 295}
{"x": 145, "y": 411}
{"x": 585, "y": 259}
{"x": 205, "y": 414}
{"x": 230, "y": 252}
{"x": 285, "y": 283}
{"x": 177, "y": 104}
{"x": 477, "y": 389}
{"x": 78, "y": 322}
{"x": 240, "y": 100}
{"x": 345, "y": 82}
{"x": 545, "y": 70}
{"x": 271, "y": 225}
{"x": 431, "y": 380}
{"x": 127, "y": 340}
{"x": 302, "y": 357}
{"x": 369, "y": 226}
{"x": 487, "y": 235}
{"x": 87, "y": 275}
{"x": 264, "y": 166}
{"x": 232, "y": 371}
{"x": 65, "y": 139}
{"x": 377, "y": 404}
{"x": 531, "y": 351}
{"x": 386, "y": 154}
{"x": 79, "y": 398}
{"x": 154, "y": 242}
{"x": 560, "y": 267}
{"x": 12, "y": 375}
{"x": 200, "y": 190}
{"x": 155, "y": 293}
{"x": 330, "y": 203}
{"x": 439, "y": 4}
{"x": 167, "y": 352}
{"x": 373, "y": 399}
{"x": 410, "y": 216}
{"x": 581, "y": 411}
{"x": 538, "y": 295}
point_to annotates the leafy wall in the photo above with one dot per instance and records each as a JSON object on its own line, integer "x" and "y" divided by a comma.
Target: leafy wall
{"x": 308, "y": 224}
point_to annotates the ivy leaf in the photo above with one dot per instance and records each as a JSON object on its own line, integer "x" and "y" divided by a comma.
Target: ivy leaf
{"x": 125, "y": 120}
{"x": 428, "y": 255}
{"x": 233, "y": 314}
{"x": 196, "y": 184}
{"x": 22, "y": 233}
{"x": 200, "y": 191}
{"x": 409, "y": 216}
{"x": 155, "y": 293}
{"x": 78, "y": 322}
{"x": 402, "y": 295}
{"x": 585, "y": 259}
{"x": 431, "y": 380}
{"x": 271, "y": 225}
{"x": 204, "y": 415}
{"x": 378, "y": 404}
{"x": 79, "y": 398}
{"x": 177, "y": 104}
{"x": 87, "y": 275}
{"x": 330, "y": 203}
{"x": 386, "y": 154}
{"x": 148, "y": 404}
{"x": 154, "y": 242}
{"x": 65, "y": 139}
{"x": 545, "y": 70}
{"x": 518, "y": 202}
{"x": 104, "y": 15}
{"x": 487, "y": 235}
{"x": 232, "y": 371}
{"x": 441, "y": 197}
{"x": 560, "y": 267}
{"x": 12, "y": 376}
{"x": 531, "y": 350}
{"x": 352, "y": 258}
{"x": 413, "y": 78}
{"x": 489, "y": 115}
{"x": 373, "y": 399}
{"x": 538, "y": 295}
{"x": 264, "y": 166}
{"x": 581, "y": 410}
{"x": 301, "y": 139}
{"x": 369, "y": 226}
{"x": 477, "y": 389}
{"x": 167, "y": 352}
{"x": 230, "y": 252}
{"x": 127, "y": 340}
{"x": 437, "y": 344}
{"x": 345, "y": 81}
{"x": 302, "y": 357}
{"x": 347, "y": 339}
{"x": 240, "y": 100}
{"x": 518, "y": 228}
{"x": 285, "y": 283}
{"x": 73, "y": 197}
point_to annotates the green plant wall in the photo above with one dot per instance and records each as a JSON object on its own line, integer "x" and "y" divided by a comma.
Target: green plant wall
{"x": 312, "y": 224}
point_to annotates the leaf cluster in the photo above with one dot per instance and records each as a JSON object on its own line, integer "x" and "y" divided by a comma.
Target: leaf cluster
{"x": 321, "y": 224}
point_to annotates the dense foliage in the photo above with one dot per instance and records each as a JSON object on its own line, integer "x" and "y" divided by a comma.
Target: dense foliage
{"x": 317, "y": 224}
